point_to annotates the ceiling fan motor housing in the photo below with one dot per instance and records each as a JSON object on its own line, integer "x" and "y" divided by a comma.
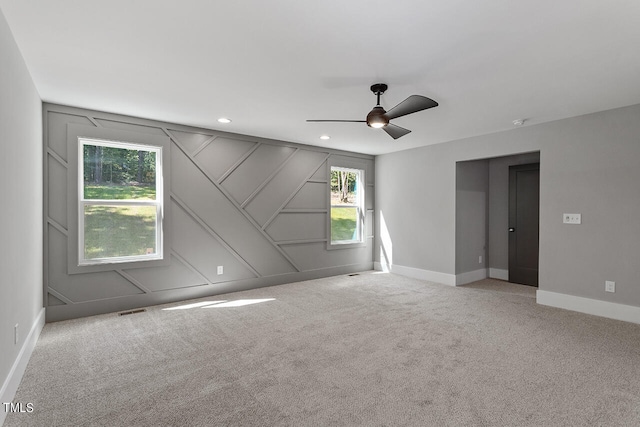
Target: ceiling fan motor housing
{"x": 377, "y": 118}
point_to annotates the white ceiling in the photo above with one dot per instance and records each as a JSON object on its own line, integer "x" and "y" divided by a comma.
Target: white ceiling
{"x": 270, "y": 65}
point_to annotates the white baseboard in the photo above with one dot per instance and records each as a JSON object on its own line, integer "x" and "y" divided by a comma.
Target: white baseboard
{"x": 498, "y": 273}
{"x": 471, "y": 276}
{"x": 611, "y": 310}
{"x": 10, "y": 386}
{"x": 416, "y": 273}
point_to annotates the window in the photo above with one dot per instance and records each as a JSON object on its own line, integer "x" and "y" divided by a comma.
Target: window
{"x": 347, "y": 202}
{"x": 120, "y": 202}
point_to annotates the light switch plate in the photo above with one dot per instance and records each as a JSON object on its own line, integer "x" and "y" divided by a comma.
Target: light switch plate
{"x": 572, "y": 218}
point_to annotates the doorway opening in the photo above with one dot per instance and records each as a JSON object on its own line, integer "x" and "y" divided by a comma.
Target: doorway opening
{"x": 482, "y": 218}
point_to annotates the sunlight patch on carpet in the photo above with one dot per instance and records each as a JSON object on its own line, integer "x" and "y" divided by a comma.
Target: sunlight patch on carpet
{"x": 194, "y": 305}
{"x": 219, "y": 304}
{"x": 240, "y": 303}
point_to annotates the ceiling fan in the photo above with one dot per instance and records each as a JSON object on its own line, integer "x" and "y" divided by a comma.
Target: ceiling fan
{"x": 379, "y": 118}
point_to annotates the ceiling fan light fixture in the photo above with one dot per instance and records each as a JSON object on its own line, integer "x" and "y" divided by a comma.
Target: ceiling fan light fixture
{"x": 377, "y": 118}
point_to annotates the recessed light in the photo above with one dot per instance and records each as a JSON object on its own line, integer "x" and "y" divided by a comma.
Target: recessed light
{"x": 325, "y": 137}
{"x": 518, "y": 122}
{"x": 224, "y": 120}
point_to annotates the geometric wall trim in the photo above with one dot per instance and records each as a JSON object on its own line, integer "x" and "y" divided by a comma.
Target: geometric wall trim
{"x": 253, "y": 206}
{"x": 52, "y": 300}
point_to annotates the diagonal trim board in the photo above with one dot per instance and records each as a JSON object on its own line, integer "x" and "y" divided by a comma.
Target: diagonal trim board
{"x": 212, "y": 232}
{"x": 283, "y": 185}
{"x": 133, "y": 281}
{"x": 57, "y": 158}
{"x": 58, "y": 227}
{"x": 231, "y": 200}
{"x": 204, "y": 145}
{"x": 194, "y": 142}
{"x": 241, "y": 160}
{"x": 215, "y": 208}
{"x": 58, "y": 295}
{"x": 269, "y": 178}
{"x": 297, "y": 190}
{"x": 187, "y": 264}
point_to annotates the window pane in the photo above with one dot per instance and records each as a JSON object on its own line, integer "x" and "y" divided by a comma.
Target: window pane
{"x": 345, "y": 206}
{"x": 118, "y": 231}
{"x": 344, "y": 223}
{"x": 118, "y": 173}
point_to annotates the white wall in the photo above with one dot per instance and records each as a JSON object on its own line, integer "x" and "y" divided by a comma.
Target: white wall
{"x": 589, "y": 165}
{"x": 21, "y": 213}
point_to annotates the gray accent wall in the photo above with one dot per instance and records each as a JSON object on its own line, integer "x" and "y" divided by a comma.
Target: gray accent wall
{"x": 21, "y": 212}
{"x": 588, "y": 165}
{"x": 255, "y": 206}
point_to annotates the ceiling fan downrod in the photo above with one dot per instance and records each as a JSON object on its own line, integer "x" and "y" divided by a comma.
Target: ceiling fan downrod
{"x": 376, "y": 117}
{"x": 378, "y": 89}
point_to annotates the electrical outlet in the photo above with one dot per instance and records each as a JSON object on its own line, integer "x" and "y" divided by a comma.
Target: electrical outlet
{"x": 15, "y": 334}
{"x": 220, "y": 269}
{"x": 609, "y": 286}
{"x": 572, "y": 218}
{"x": 480, "y": 259}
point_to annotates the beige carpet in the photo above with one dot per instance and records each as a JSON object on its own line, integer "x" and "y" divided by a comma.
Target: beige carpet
{"x": 369, "y": 350}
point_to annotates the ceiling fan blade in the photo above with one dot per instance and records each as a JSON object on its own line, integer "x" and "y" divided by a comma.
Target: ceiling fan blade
{"x": 338, "y": 121}
{"x": 412, "y": 104}
{"x": 394, "y": 131}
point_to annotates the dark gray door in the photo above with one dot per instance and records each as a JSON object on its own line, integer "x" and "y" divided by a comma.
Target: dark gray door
{"x": 524, "y": 209}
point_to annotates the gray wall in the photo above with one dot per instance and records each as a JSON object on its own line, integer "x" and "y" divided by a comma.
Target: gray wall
{"x": 21, "y": 193}
{"x": 257, "y": 207}
{"x": 415, "y": 209}
{"x": 589, "y": 165}
{"x": 472, "y": 215}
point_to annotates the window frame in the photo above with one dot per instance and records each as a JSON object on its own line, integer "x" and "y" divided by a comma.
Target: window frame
{"x": 359, "y": 168}
{"x": 76, "y": 135}
{"x": 83, "y": 203}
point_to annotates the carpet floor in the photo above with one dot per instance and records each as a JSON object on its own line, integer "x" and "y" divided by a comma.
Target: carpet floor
{"x": 373, "y": 349}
